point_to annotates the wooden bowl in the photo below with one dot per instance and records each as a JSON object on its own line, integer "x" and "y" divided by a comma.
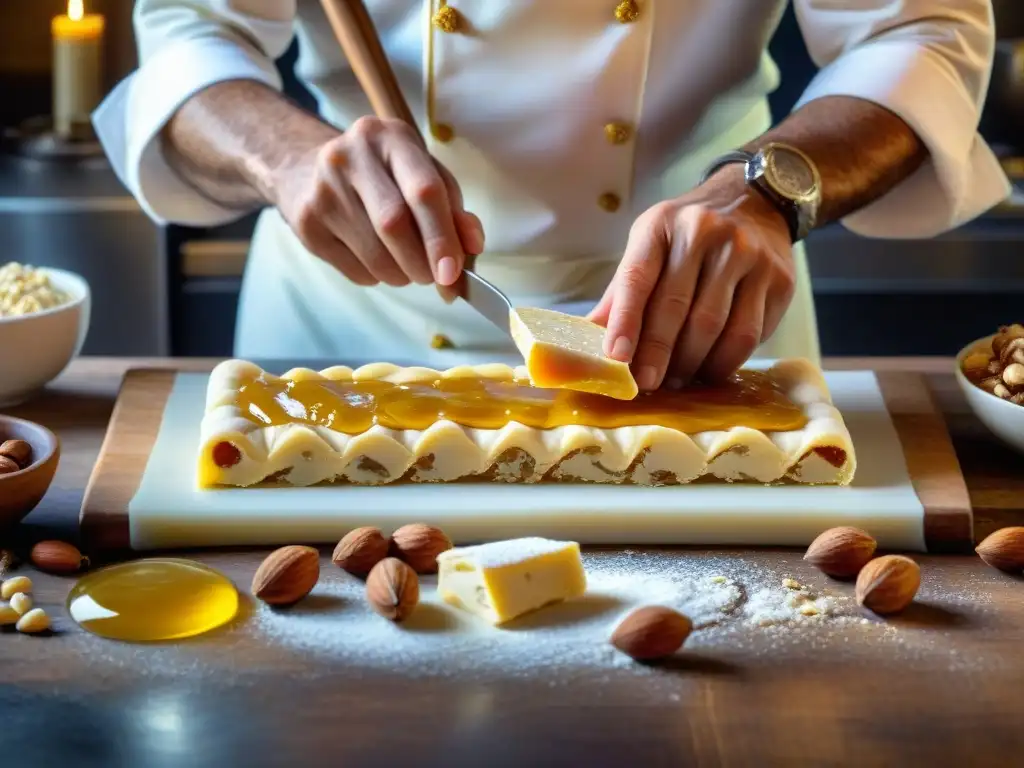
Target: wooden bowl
{"x": 21, "y": 491}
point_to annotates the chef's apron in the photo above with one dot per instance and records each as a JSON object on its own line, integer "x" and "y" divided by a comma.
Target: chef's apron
{"x": 293, "y": 305}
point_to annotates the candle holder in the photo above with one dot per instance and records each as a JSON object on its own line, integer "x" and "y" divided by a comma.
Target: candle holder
{"x": 37, "y": 138}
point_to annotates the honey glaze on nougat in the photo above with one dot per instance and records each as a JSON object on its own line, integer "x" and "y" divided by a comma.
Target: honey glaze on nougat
{"x": 749, "y": 399}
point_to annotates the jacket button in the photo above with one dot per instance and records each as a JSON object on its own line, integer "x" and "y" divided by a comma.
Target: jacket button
{"x": 442, "y": 132}
{"x": 440, "y": 341}
{"x": 609, "y": 201}
{"x": 446, "y": 19}
{"x": 627, "y": 11}
{"x": 617, "y": 133}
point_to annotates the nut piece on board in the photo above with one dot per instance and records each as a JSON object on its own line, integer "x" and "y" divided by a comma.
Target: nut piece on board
{"x": 841, "y": 552}
{"x": 419, "y": 544}
{"x": 12, "y": 586}
{"x": 18, "y": 451}
{"x": 57, "y": 557}
{"x": 1004, "y": 549}
{"x": 34, "y": 621}
{"x": 393, "y": 589}
{"x": 888, "y": 584}
{"x": 360, "y": 549}
{"x": 21, "y": 603}
{"x": 287, "y": 575}
{"x": 651, "y": 632}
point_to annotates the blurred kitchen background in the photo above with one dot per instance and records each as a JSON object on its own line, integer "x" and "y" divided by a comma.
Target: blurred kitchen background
{"x": 173, "y": 291}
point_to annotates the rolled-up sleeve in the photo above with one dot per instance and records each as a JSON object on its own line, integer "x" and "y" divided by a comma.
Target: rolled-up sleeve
{"x": 929, "y": 62}
{"x": 185, "y": 47}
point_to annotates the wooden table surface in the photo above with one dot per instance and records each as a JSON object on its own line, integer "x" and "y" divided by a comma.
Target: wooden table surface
{"x": 945, "y": 687}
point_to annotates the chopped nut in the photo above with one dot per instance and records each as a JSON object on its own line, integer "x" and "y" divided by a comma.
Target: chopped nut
{"x": 14, "y": 585}
{"x": 1013, "y": 375}
{"x": 809, "y": 609}
{"x": 25, "y": 289}
{"x": 990, "y": 383}
{"x": 17, "y": 451}
{"x": 718, "y": 579}
{"x": 1007, "y": 334}
{"x": 791, "y": 584}
{"x": 976, "y": 364}
{"x": 34, "y": 621}
{"x": 21, "y": 602}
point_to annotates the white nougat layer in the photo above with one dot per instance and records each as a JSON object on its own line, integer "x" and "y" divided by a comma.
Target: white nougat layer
{"x": 303, "y": 455}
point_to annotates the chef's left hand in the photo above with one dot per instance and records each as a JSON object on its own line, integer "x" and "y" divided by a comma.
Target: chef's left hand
{"x": 704, "y": 279}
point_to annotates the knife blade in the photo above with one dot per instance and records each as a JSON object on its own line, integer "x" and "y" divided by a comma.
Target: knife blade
{"x": 486, "y": 299}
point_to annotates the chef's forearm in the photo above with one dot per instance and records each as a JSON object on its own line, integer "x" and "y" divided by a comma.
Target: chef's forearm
{"x": 227, "y": 141}
{"x": 861, "y": 150}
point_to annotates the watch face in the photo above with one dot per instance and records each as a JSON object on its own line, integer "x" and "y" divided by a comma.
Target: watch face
{"x": 791, "y": 174}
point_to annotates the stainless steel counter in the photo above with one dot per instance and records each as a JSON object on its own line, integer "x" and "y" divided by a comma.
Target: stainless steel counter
{"x": 78, "y": 217}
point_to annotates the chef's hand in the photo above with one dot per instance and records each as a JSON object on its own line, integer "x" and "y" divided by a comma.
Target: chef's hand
{"x": 373, "y": 203}
{"x": 704, "y": 279}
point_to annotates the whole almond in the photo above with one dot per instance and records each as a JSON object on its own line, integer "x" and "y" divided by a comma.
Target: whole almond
{"x": 12, "y": 586}
{"x": 1004, "y": 549}
{"x": 21, "y": 602}
{"x": 18, "y": 451}
{"x": 888, "y": 584}
{"x": 34, "y": 621}
{"x": 57, "y": 557}
{"x": 392, "y": 589}
{"x": 841, "y": 552}
{"x": 287, "y": 575}
{"x": 419, "y": 544}
{"x": 8, "y": 465}
{"x": 360, "y": 549}
{"x": 651, "y": 632}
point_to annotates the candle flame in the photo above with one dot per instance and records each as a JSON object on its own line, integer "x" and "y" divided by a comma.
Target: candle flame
{"x": 76, "y": 9}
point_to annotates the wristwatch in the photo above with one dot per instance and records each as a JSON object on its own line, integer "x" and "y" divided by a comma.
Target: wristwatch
{"x": 786, "y": 177}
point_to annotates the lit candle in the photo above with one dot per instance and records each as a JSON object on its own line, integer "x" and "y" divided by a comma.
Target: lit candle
{"x": 77, "y": 66}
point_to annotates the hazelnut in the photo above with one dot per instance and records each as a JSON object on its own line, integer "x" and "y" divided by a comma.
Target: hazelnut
{"x": 651, "y": 632}
{"x": 841, "y": 552}
{"x": 1004, "y": 549}
{"x": 287, "y": 575}
{"x": 888, "y": 584}
{"x": 419, "y": 545}
{"x": 360, "y": 549}
{"x": 393, "y": 589}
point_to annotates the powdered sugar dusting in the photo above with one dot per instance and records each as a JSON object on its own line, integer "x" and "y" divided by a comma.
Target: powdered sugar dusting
{"x": 726, "y": 598}
{"x": 747, "y": 610}
{"x": 499, "y": 554}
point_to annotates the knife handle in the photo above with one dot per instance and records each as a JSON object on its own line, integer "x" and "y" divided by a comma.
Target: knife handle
{"x": 358, "y": 38}
{"x": 359, "y": 41}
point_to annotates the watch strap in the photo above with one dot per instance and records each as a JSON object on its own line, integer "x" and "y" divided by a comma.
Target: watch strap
{"x": 787, "y": 210}
{"x": 735, "y": 156}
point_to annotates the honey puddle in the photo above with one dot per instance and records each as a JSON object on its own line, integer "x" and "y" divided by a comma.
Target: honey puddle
{"x": 152, "y": 600}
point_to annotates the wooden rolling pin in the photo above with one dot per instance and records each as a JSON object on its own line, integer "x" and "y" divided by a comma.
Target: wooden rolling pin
{"x": 358, "y": 38}
{"x": 361, "y": 45}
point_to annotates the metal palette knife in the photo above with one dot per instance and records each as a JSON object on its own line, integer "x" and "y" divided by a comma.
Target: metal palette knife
{"x": 358, "y": 38}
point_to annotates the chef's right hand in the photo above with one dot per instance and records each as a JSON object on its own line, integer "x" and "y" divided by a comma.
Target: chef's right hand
{"x": 373, "y": 203}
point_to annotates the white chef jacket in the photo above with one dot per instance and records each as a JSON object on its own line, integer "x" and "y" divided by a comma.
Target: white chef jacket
{"x": 516, "y": 101}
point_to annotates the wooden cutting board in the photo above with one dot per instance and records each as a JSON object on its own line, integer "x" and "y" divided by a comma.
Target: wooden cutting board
{"x": 153, "y": 405}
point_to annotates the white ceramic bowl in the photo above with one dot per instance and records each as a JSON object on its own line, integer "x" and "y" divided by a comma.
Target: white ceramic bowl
{"x": 1003, "y": 418}
{"x": 35, "y": 348}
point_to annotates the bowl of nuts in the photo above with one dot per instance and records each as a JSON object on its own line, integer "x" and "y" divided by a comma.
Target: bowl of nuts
{"x": 44, "y": 317}
{"x": 990, "y": 372}
{"x": 29, "y": 454}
